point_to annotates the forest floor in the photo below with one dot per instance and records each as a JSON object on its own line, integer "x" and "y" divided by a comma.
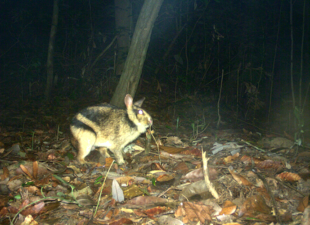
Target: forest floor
{"x": 247, "y": 176}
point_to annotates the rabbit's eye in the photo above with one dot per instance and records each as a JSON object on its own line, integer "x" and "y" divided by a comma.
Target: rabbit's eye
{"x": 140, "y": 112}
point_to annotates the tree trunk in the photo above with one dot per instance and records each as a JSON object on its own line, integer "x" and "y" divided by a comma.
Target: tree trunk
{"x": 50, "y": 55}
{"x": 140, "y": 41}
{"x": 123, "y": 24}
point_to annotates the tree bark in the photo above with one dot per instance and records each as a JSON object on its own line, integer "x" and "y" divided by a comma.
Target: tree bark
{"x": 50, "y": 61}
{"x": 134, "y": 63}
{"x": 123, "y": 24}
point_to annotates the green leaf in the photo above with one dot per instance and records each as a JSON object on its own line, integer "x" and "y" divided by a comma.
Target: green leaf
{"x": 70, "y": 155}
{"x": 168, "y": 127}
{"x": 30, "y": 183}
{"x": 153, "y": 181}
{"x": 97, "y": 181}
{"x": 298, "y": 142}
{"x": 193, "y": 126}
{"x": 17, "y": 197}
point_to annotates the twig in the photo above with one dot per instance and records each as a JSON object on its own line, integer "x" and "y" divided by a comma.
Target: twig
{"x": 206, "y": 176}
{"x": 32, "y": 203}
{"x": 161, "y": 194}
{"x": 289, "y": 186}
{"x": 259, "y": 149}
{"x": 218, "y": 103}
{"x": 157, "y": 148}
{"x": 98, "y": 57}
{"x": 148, "y": 138}
{"x": 102, "y": 189}
{"x": 46, "y": 198}
{"x": 270, "y": 194}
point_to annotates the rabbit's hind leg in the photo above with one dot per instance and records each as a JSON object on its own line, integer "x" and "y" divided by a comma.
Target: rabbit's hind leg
{"x": 85, "y": 145}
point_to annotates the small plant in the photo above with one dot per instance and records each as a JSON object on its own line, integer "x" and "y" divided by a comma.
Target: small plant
{"x": 300, "y": 126}
{"x": 177, "y": 127}
{"x": 198, "y": 129}
{"x": 32, "y": 139}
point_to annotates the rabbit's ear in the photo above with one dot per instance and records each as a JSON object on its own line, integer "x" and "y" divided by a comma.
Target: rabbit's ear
{"x": 139, "y": 102}
{"x": 128, "y": 100}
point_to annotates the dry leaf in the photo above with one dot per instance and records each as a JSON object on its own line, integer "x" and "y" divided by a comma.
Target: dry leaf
{"x": 228, "y": 208}
{"x": 171, "y": 150}
{"x": 195, "y": 188}
{"x": 194, "y": 152}
{"x": 303, "y": 204}
{"x": 266, "y": 218}
{"x": 125, "y": 181}
{"x": 167, "y": 155}
{"x": 3, "y": 212}
{"x": 168, "y": 220}
{"x": 197, "y": 174}
{"x": 157, "y": 166}
{"x": 304, "y": 156}
{"x": 253, "y": 205}
{"x": 156, "y": 210}
{"x": 194, "y": 212}
{"x": 39, "y": 131}
{"x": 35, "y": 169}
{"x": 30, "y": 210}
{"x": 25, "y": 170}
{"x": 263, "y": 191}
{"x": 146, "y": 200}
{"x": 29, "y": 167}
{"x": 33, "y": 190}
{"x": 181, "y": 168}
{"x": 29, "y": 221}
{"x": 108, "y": 215}
{"x": 108, "y": 162}
{"x": 266, "y": 164}
{"x": 43, "y": 181}
{"x": 217, "y": 147}
{"x": 248, "y": 160}
{"x": 133, "y": 191}
{"x": 269, "y": 164}
{"x": 240, "y": 179}
{"x": 121, "y": 221}
{"x": 117, "y": 192}
{"x": 139, "y": 213}
{"x": 5, "y": 174}
{"x": 164, "y": 178}
{"x": 230, "y": 159}
{"x": 287, "y": 176}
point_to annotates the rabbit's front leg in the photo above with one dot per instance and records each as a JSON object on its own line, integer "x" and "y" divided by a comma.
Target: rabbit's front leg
{"x": 118, "y": 154}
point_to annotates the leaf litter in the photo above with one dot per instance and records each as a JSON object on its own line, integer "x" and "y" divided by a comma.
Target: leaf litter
{"x": 242, "y": 180}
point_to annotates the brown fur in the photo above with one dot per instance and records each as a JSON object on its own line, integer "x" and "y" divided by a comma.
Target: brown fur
{"x": 107, "y": 126}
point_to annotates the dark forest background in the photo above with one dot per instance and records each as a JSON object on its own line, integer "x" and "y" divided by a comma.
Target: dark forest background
{"x": 248, "y": 41}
